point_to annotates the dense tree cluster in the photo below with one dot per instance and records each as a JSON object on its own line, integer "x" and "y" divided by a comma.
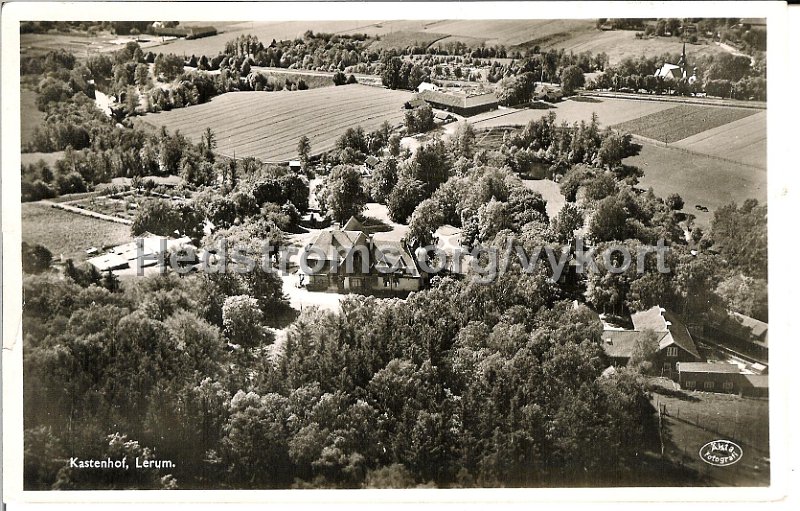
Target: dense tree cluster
{"x": 389, "y": 390}
{"x": 720, "y": 74}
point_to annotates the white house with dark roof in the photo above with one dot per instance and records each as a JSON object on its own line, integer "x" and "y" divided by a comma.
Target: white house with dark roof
{"x": 348, "y": 259}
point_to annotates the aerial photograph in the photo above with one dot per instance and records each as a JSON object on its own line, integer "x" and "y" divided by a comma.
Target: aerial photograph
{"x": 393, "y": 254}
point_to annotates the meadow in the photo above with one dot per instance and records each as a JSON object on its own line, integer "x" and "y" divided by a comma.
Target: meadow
{"x": 700, "y": 179}
{"x": 30, "y": 116}
{"x": 400, "y": 33}
{"x": 68, "y": 234}
{"x": 618, "y": 44}
{"x": 719, "y": 145}
{"x": 744, "y": 140}
{"x": 609, "y": 111}
{"x": 268, "y": 125}
{"x": 682, "y": 121}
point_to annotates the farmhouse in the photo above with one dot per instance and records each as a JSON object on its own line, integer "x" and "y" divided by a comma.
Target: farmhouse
{"x": 675, "y": 344}
{"x": 426, "y": 86}
{"x": 348, "y": 259}
{"x": 721, "y": 377}
{"x": 461, "y": 103}
{"x": 544, "y": 92}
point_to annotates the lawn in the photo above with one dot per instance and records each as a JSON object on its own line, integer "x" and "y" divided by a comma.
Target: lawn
{"x": 699, "y": 179}
{"x": 551, "y": 192}
{"x": 683, "y": 121}
{"x": 68, "y": 234}
{"x": 267, "y": 125}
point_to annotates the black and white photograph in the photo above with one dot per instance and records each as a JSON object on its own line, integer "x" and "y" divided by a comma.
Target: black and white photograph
{"x": 390, "y": 252}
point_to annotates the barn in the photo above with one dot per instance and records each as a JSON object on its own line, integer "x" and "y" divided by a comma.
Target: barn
{"x": 721, "y": 377}
{"x": 461, "y": 103}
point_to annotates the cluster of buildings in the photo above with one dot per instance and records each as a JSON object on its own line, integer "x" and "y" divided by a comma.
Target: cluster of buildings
{"x": 678, "y": 357}
{"x": 124, "y": 257}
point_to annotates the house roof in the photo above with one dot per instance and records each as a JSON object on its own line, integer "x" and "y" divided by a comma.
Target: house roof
{"x": 757, "y": 380}
{"x": 680, "y": 334}
{"x": 107, "y": 262}
{"x": 758, "y": 329}
{"x": 651, "y": 318}
{"x": 385, "y": 256}
{"x": 353, "y": 225}
{"x": 620, "y": 343}
{"x": 336, "y": 243}
{"x": 669, "y": 71}
{"x": 392, "y": 255}
{"x": 668, "y": 328}
{"x": 372, "y": 161}
{"x": 708, "y": 367}
{"x": 458, "y": 99}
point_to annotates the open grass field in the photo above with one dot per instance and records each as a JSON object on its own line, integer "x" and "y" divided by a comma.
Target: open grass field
{"x": 49, "y": 158}
{"x": 683, "y": 121}
{"x": 513, "y": 32}
{"x": 609, "y": 111}
{"x": 80, "y": 44}
{"x": 743, "y": 420}
{"x": 400, "y": 32}
{"x": 698, "y": 179}
{"x": 265, "y": 31}
{"x": 404, "y": 39}
{"x": 618, "y": 44}
{"x": 695, "y": 418}
{"x": 267, "y": 125}
{"x": 68, "y": 233}
{"x": 744, "y": 140}
{"x": 30, "y": 116}
{"x": 728, "y": 148}
{"x": 550, "y": 191}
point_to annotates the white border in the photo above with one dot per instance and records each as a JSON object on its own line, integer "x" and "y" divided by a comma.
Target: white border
{"x": 780, "y": 193}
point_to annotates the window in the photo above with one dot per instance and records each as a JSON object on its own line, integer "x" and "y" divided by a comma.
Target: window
{"x": 689, "y": 384}
{"x": 708, "y": 385}
{"x": 728, "y": 385}
{"x": 672, "y": 351}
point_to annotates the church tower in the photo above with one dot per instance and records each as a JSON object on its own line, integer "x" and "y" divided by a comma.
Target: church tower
{"x": 682, "y": 62}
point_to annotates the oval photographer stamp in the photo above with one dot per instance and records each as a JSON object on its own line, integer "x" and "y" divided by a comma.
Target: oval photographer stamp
{"x": 721, "y": 453}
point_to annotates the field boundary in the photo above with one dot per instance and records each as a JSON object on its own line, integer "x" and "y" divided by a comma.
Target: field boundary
{"x": 84, "y": 212}
{"x": 666, "y": 145}
{"x": 755, "y": 105}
